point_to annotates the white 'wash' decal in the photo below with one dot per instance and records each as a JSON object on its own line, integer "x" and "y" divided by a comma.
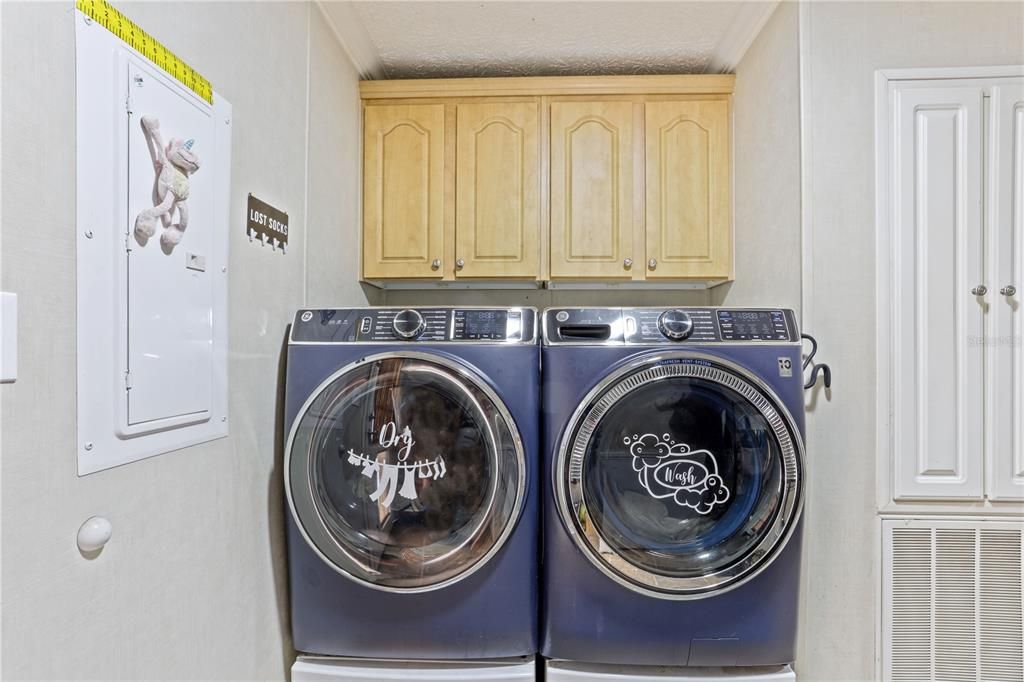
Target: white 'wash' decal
{"x": 387, "y": 474}
{"x": 670, "y": 469}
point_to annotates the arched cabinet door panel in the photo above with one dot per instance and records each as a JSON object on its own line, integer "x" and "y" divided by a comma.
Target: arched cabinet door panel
{"x": 592, "y": 192}
{"x": 689, "y": 217}
{"x": 403, "y": 197}
{"x": 497, "y": 228}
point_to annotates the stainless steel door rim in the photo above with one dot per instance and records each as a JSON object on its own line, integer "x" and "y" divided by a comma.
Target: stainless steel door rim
{"x": 575, "y": 443}
{"x": 467, "y": 544}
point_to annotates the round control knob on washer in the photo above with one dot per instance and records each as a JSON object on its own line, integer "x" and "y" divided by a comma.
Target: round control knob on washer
{"x": 408, "y": 324}
{"x": 675, "y": 325}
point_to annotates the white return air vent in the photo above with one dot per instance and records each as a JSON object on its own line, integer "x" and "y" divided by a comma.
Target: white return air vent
{"x": 952, "y": 604}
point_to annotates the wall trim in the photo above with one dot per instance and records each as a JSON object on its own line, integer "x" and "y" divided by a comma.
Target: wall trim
{"x": 806, "y": 235}
{"x": 740, "y": 35}
{"x": 348, "y": 29}
{"x": 806, "y": 271}
{"x": 947, "y": 72}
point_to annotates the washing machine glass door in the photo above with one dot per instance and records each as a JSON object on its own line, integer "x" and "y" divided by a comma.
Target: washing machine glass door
{"x": 405, "y": 471}
{"x": 680, "y": 476}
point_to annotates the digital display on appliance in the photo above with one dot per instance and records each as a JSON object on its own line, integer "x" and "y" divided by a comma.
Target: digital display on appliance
{"x": 743, "y": 325}
{"x": 480, "y": 324}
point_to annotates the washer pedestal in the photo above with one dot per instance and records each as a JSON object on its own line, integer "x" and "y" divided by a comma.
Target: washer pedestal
{"x": 326, "y": 669}
{"x": 568, "y": 671}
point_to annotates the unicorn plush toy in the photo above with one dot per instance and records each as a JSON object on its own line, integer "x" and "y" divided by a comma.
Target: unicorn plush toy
{"x": 173, "y": 165}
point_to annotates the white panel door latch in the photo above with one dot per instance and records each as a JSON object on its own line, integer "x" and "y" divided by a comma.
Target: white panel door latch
{"x": 8, "y": 338}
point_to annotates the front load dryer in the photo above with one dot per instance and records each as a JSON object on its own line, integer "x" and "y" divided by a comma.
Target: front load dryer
{"x": 673, "y": 480}
{"x": 411, "y": 476}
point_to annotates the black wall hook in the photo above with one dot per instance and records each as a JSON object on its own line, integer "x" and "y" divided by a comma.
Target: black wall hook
{"x": 815, "y": 368}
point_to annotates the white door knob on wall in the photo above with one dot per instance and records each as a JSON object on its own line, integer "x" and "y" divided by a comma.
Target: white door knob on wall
{"x": 94, "y": 534}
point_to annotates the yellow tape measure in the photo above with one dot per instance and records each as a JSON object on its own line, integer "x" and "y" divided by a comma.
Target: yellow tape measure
{"x": 125, "y": 29}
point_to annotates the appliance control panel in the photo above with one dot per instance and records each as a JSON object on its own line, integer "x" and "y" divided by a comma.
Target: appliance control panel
{"x": 415, "y": 325}
{"x": 753, "y": 325}
{"x": 659, "y": 326}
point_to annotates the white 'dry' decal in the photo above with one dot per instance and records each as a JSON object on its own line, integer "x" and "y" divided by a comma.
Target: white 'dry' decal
{"x": 387, "y": 474}
{"x": 670, "y": 469}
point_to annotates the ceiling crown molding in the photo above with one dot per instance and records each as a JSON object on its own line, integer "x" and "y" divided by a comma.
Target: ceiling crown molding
{"x": 741, "y": 34}
{"x": 344, "y": 21}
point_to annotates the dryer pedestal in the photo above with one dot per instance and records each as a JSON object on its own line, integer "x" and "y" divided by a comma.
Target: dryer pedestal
{"x": 568, "y": 671}
{"x": 325, "y": 669}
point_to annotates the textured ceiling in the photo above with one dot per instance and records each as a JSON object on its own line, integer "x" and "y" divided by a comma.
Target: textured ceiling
{"x": 458, "y": 39}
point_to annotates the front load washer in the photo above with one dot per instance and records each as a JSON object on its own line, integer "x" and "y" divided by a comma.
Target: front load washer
{"x": 674, "y": 480}
{"x": 411, "y": 476}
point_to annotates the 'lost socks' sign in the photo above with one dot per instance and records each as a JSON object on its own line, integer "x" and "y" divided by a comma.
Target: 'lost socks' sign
{"x": 266, "y": 223}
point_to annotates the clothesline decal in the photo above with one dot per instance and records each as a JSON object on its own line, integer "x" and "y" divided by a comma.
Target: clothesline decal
{"x": 386, "y": 475}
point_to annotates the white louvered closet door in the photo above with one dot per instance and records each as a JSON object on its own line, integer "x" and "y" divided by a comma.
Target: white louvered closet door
{"x": 953, "y": 601}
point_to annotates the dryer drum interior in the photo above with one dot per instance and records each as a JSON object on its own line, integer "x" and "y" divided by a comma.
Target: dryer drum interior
{"x": 405, "y": 471}
{"x": 680, "y": 476}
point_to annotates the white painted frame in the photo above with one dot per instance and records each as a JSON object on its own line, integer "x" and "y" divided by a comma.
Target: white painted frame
{"x": 884, "y": 291}
{"x": 885, "y": 507}
{"x": 101, "y": 156}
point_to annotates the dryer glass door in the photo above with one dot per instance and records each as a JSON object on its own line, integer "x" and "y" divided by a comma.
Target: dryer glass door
{"x": 680, "y": 476}
{"x": 405, "y": 472}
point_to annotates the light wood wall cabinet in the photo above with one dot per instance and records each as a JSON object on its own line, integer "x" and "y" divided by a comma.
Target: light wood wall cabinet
{"x": 592, "y": 158}
{"x": 689, "y": 216}
{"x": 497, "y": 198}
{"x": 403, "y": 191}
{"x": 568, "y": 180}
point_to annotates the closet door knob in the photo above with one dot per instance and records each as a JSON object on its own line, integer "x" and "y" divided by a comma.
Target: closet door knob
{"x": 653, "y": 263}
{"x": 980, "y": 290}
{"x": 1008, "y": 290}
{"x": 436, "y": 264}
{"x": 627, "y": 263}
{"x": 459, "y": 264}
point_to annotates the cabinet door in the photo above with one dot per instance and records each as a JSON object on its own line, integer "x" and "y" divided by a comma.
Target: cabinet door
{"x": 937, "y": 237}
{"x": 1006, "y": 322}
{"x": 592, "y": 155}
{"x": 497, "y": 228}
{"x": 689, "y": 219}
{"x": 403, "y": 197}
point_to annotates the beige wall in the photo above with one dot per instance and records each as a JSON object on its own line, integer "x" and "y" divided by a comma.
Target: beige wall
{"x": 842, "y": 44}
{"x": 193, "y": 583}
{"x": 334, "y": 176}
{"x": 766, "y": 172}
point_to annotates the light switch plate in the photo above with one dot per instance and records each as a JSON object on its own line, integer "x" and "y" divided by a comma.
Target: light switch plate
{"x": 8, "y": 338}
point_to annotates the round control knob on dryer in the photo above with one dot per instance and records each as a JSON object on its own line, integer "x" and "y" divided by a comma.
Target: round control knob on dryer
{"x": 408, "y": 324}
{"x": 675, "y": 325}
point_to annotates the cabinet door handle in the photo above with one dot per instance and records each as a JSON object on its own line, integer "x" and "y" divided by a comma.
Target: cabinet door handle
{"x": 980, "y": 290}
{"x": 1008, "y": 290}
{"x": 459, "y": 264}
{"x": 627, "y": 263}
{"x": 653, "y": 263}
{"x": 436, "y": 264}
